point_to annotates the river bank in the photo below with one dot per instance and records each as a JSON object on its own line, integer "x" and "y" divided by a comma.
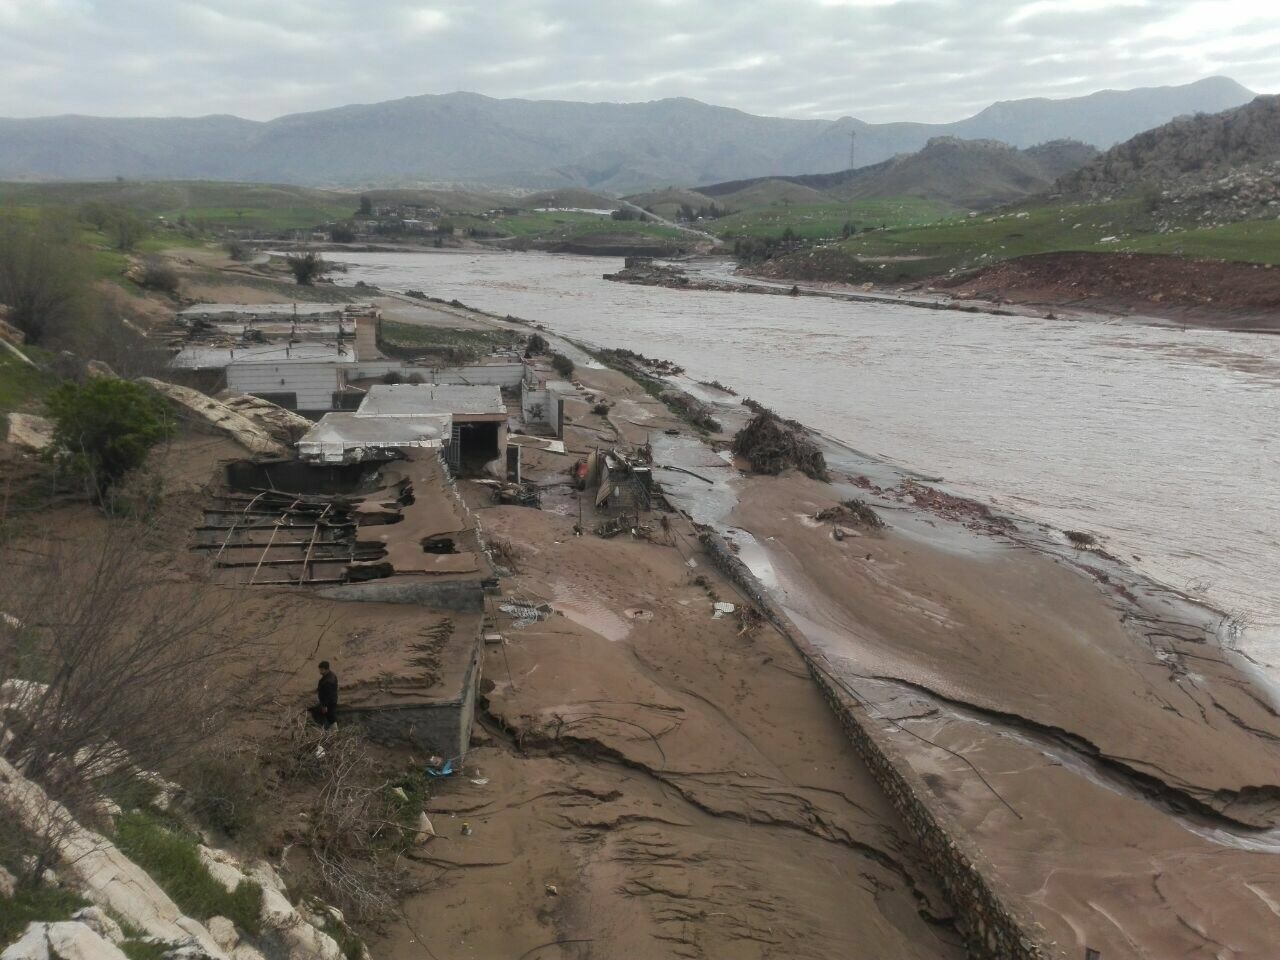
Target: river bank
{"x": 1088, "y": 729}
{"x": 1141, "y": 288}
{"x": 1034, "y": 416}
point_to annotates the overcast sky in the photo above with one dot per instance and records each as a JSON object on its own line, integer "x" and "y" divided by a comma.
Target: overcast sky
{"x": 930, "y": 60}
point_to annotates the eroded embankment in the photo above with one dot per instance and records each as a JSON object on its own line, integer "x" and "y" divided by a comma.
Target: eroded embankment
{"x": 992, "y": 925}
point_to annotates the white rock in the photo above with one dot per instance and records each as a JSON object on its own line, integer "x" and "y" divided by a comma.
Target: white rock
{"x": 280, "y": 919}
{"x": 66, "y": 940}
{"x": 425, "y": 830}
{"x": 30, "y": 432}
{"x": 246, "y": 952}
{"x": 93, "y": 865}
{"x": 221, "y": 417}
{"x": 8, "y": 883}
{"x": 96, "y": 919}
{"x": 223, "y": 930}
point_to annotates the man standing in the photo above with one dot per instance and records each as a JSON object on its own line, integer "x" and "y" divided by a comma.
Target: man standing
{"x": 325, "y": 712}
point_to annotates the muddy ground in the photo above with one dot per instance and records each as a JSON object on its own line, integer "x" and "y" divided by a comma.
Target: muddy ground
{"x": 651, "y": 781}
{"x": 1211, "y": 293}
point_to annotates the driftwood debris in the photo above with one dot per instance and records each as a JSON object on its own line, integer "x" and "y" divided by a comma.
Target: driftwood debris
{"x": 771, "y": 445}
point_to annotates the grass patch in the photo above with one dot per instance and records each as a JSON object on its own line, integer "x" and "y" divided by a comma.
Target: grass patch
{"x": 352, "y": 946}
{"x": 1118, "y": 226}
{"x": 823, "y": 221}
{"x": 34, "y": 905}
{"x": 145, "y": 949}
{"x": 169, "y": 855}
{"x": 456, "y": 344}
{"x": 23, "y": 387}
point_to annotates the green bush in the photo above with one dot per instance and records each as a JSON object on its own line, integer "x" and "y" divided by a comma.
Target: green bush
{"x": 562, "y": 364}
{"x": 35, "y": 904}
{"x": 171, "y": 858}
{"x": 104, "y": 427}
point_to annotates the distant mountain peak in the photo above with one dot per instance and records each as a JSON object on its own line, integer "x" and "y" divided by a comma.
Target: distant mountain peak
{"x": 466, "y": 137}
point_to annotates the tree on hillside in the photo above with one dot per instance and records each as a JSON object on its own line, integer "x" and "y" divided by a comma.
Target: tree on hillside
{"x": 126, "y": 229}
{"x": 366, "y": 207}
{"x": 44, "y": 278}
{"x": 103, "y": 429}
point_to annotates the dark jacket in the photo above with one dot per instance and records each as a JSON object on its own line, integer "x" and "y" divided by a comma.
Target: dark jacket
{"x": 327, "y": 692}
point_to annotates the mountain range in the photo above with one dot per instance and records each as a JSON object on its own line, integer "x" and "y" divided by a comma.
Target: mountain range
{"x": 964, "y": 173}
{"x": 466, "y": 138}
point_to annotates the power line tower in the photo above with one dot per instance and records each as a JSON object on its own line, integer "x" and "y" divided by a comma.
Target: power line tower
{"x": 853, "y": 147}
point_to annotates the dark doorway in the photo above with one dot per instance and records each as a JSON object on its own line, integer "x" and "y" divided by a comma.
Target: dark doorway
{"x": 477, "y": 444}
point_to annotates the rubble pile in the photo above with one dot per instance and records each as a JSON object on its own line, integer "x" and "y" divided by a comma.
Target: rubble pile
{"x": 855, "y": 513}
{"x": 771, "y": 445}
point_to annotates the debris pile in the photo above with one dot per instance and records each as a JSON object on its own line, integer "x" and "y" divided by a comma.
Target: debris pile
{"x": 771, "y": 445}
{"x": 855, "y": 513}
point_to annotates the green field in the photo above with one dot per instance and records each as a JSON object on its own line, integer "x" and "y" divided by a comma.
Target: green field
{"x": 1120, "y": 226}
{"x": 458, "y": 344}
{"x": 249, "y": 206}
{"x": 820, "y": 221}
{"x": 1115, "y": 227}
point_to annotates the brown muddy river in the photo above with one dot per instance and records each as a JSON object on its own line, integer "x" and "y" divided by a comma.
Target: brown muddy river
{"x": 1164, "y": 443}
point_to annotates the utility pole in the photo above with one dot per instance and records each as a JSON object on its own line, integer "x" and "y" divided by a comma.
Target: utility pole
{"x": 853, "y": 145}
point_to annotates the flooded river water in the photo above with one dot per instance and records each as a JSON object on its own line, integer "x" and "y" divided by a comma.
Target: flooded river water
{"x": 1164, "y": 443}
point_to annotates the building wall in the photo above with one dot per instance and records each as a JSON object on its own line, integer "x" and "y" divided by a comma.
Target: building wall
{"x": 545, "y": 404}
{"x": 443, "y": 729}
{"x": 314, "y": 383}
{"x": 505, "y": 375}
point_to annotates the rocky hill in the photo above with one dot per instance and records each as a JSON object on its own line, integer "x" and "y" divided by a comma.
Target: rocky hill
{"x": 965, "y": 173}
{"x": 1199, "y": 147}
{"x": 543, "y": 144}
{"x": 1209, "y": 168}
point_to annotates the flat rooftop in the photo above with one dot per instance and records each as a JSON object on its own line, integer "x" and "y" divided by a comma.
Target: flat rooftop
{"x": 338, "y": 433}
{"x": 413, "y": 400}
{"x": 210, "y": 356}
{"x": 271, "y": 311}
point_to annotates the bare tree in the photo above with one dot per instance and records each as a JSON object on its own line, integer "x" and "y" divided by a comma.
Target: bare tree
{"x": 44, "y": 278}
{"x": 108, "y": 668}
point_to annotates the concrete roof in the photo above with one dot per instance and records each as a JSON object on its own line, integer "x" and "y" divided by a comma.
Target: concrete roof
{"x": 412, "y": 400}
{"x": 274, "y": 311}
{"x": 337, "y": 433}
{"x": 208, "y": 357}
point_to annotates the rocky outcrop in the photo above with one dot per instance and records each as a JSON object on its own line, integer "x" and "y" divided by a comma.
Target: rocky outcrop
{"x": 93, "y": 865}
{"x": 1214, "y": 155}
{"x": 284, "y": 425}
{"x": 66, "y": 940}
{"x": 283, "y": 926}
{"x": 29, "y": 432}
{"x": 221, "y": 417}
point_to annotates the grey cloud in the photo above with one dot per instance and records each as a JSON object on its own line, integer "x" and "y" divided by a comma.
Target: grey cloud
{"x": 928, "y": 60}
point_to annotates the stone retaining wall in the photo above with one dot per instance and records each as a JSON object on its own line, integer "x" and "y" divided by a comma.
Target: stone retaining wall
{"x": 993, "y": 928}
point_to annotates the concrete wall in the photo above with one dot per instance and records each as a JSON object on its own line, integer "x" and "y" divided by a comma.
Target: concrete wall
{"x": 442, "y": 728}
{"x": 541, "y": 406}
{"x": 505, "y": 375}
{"x": 992, "y": 926}
{"x": 314, "y": 383}
{"x": 462, "y": 595}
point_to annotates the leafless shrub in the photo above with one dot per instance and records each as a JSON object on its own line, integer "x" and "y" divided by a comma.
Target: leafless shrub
{"x": 158, "y": 274}
{"x": 504, "y": 552}
{"x": 357, "y": 828}
{"x": 108, "y": 667}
